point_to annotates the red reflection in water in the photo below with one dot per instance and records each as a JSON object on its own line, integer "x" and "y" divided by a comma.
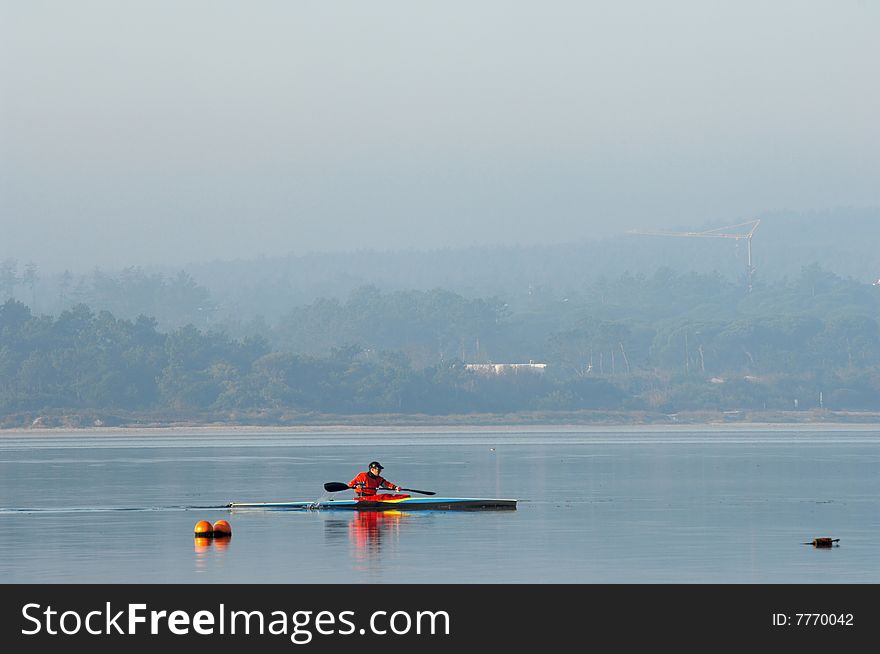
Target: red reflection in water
{"x": 368, "y": 530}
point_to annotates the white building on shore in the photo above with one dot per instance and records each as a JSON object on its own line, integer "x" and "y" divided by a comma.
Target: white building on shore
{"x": 505, "y": 368}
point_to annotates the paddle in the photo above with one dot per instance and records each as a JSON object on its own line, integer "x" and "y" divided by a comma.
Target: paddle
{"x": 335, "y": 486}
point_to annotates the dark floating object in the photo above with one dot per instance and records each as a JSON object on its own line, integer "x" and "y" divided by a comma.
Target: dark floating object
{"x": 823, "y": 542}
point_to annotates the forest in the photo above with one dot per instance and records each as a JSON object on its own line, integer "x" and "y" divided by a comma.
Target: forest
{"x": 639, "y": 344}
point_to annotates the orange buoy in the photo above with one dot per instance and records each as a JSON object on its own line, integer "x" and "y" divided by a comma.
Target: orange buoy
{"x": 222, "y": 529}
{"x": 204, "y": 529}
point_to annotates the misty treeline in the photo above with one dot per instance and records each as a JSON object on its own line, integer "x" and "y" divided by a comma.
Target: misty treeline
{"x": 663, "y": 342}
{"x": 84, "y": 360}
{"x": 174, "y": 300}
{"x": 242, "y": 297}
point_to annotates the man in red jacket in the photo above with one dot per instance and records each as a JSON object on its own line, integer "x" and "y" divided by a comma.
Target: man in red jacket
{"x": 367, "y": 483}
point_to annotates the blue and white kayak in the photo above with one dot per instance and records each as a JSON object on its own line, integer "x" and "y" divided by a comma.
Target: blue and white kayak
{"x": 404, "y": 504}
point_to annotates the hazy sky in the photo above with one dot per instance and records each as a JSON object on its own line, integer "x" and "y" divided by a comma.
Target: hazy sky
{"x": 183, "y": 131}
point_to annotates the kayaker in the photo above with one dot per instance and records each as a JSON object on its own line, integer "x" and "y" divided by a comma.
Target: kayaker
{"x": 367, "y": 483}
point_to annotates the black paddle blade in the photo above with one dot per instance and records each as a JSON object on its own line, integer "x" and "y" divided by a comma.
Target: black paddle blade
{"x": 413, "y": 490}
{"x": 336, "y": 486}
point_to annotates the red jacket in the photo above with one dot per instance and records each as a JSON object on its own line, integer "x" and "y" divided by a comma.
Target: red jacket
{"x": 364, "y": 484}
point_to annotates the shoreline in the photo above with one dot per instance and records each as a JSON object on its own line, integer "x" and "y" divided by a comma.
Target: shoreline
{"x": 73, "y": 424}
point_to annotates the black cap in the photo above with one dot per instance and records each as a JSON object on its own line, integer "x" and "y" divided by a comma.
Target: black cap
{"x": 376, "y": 464}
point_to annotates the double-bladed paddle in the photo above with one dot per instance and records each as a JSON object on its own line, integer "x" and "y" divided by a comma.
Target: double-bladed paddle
{"x": 335, "y": 486}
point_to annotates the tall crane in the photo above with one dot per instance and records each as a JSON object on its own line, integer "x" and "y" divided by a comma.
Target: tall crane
{"x": 718, "y": 232}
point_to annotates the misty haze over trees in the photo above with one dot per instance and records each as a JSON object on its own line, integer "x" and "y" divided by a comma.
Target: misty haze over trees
{"x": 230, "y": 295}
{"x": 635, "y": 323}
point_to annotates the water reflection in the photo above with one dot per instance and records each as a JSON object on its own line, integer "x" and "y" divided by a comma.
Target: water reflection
{"x": 203, "y": 550}
{"x": 369, "y": 533}
{"x": 629, "y": 507}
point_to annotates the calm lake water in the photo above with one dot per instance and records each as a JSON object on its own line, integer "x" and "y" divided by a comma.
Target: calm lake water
{"x": 615, "y": 505}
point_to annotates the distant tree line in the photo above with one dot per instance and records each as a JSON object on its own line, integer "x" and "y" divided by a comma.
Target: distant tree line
{"x": 83, "y": 360}
{"x": 173, "y": 299}
{"x": 666, "y": 342}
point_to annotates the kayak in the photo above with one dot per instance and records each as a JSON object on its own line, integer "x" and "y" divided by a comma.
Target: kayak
{"x": 397, "y": 504}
